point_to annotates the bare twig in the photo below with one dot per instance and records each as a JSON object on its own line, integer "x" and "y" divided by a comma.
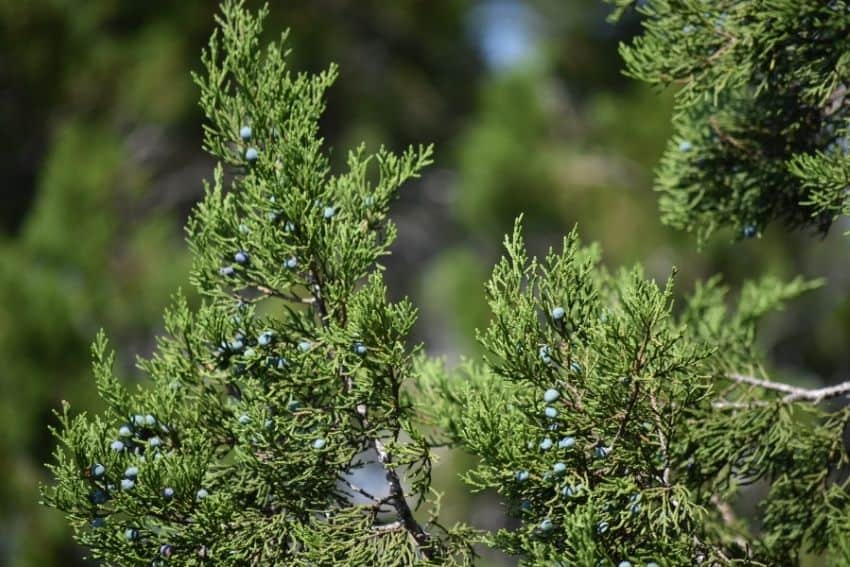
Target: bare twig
{"x": 391, "y": 527}
{"x": 355, "y": 488}
{"x": 794, "y": 393}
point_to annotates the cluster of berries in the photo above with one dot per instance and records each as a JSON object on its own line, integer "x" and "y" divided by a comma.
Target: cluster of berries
{"x": 140, "y": 432}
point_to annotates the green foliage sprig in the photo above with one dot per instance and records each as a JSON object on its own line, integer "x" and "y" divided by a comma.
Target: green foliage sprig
{"x": 761, "y": 117}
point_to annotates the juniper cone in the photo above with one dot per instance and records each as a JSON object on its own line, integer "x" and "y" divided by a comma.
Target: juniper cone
{"x": 662, "y": 402}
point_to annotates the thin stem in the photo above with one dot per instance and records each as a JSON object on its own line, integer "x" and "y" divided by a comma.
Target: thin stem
{"x": 729, "y": 518}
{"x": 792, "y": 393}
{"x": 662, "y": 440}
{"x": 355, "y": 488}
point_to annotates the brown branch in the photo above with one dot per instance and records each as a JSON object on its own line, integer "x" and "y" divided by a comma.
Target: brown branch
{"x": 723, "y": 49}
{"x": 712, "y": 121}
{"x": 637, "y": 365}
{"x": 397, "y": 498}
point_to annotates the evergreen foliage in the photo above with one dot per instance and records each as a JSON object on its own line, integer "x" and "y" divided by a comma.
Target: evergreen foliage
{"x": 652, "y": 438}
{"x": 264, "y": 401}
{"x": 618, "y": 427}
{"x": 761, "y": 116}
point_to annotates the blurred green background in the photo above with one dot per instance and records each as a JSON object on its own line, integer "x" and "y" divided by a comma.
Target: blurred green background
{"x": 100, "y": 163}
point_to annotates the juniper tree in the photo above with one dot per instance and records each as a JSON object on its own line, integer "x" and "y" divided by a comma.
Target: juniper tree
{"x": 618, "y": 426}
{"x": 266, "y": 400}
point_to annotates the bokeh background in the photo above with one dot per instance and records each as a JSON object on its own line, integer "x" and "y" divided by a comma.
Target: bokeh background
{"x": 100, "y": 163}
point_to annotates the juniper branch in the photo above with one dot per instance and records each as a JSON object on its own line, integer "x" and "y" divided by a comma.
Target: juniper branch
{"x": 397, "y": 498}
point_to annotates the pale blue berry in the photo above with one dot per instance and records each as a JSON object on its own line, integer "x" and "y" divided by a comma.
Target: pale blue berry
{"x": 127, "y": 484}
{"x": 245, "y": 133}
{"x": 559, "y": 468}
{"x": 625, "y": 564}
{"x": 289, "y": 226}
{"x": 241, "y": 257}
{"x": 117, "y": 446}
{"x": 652, "y": 564}
{"x": 154, "y": 441}
{"x": 291, "y": 263}
{"x": 138, "y": 420}
{"x": 166, "y": 550}
{"x": 131, "y": 533}
{"x": 226, "y": 271}
{"x": 243, "y": 228}
{"x": 251, "y": 154}
{"x": 685, "y": 146}
{"x": 546, "y": 525}
{"x": 566, "y": 443}
{"x": 98, "y": 470}
{"x": 545, "y": 444}
{"x": 281, "y": 363}
{"x": 558, "y": 313}
{"x": 168, "y": 493}
{"x": 125, "y": 431}
{"x": 521, "y": 476}
{"x": 131, "y": 472}
{"x": 360, "y": 349}
{"x": 550, "y": 412}
{"x": 545, "y": 354}
{"x": 570, "y": 491}
{"x": 319, "y": 444}
{"x": 293, "y": 405}
{"x": 150, "y": 420}
{"x": 602, "y": 451}
{"x": 236, "y": 345}
{"x": 201, "y": 493}
{"x": 550, "y": 395}
{"x": 328, "y": 212}
{"x": 575, "y": 367}
{"x": 635, "y": 508}
{"x": 244, "y": 419}
{"x": 749, "y": 231}
{"x": 304, "y": 346}
{"x": 265, "y": 339}
{"x": 98, "y": 496}
{"x": 368, "y": 201}
{"x": 602, "y": 527}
